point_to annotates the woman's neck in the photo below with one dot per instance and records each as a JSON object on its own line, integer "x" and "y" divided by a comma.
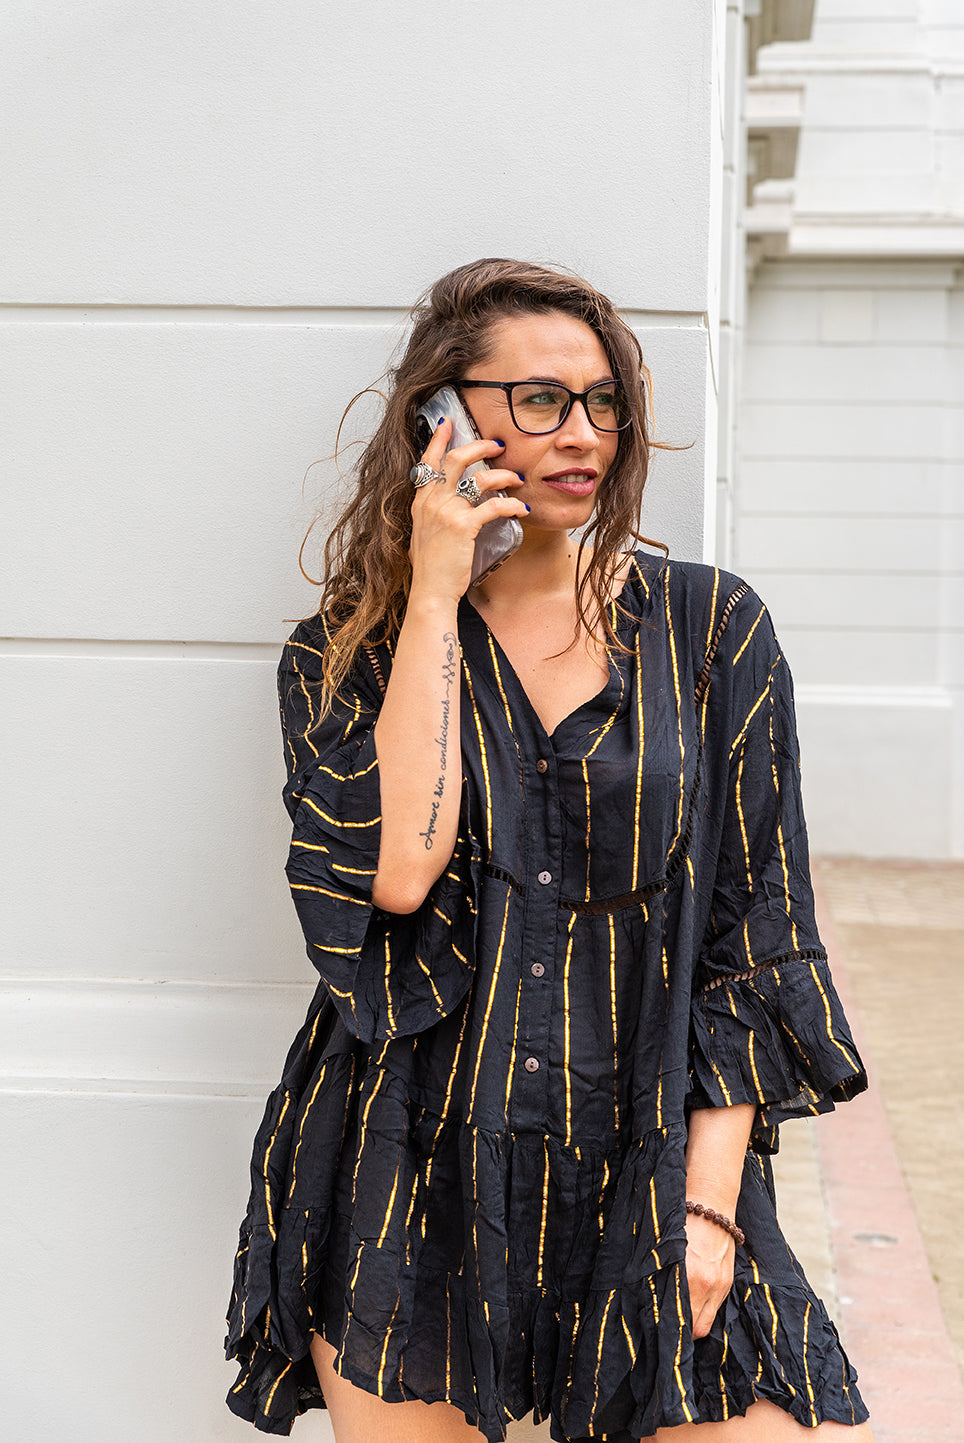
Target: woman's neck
{"x": 543, "y": 569}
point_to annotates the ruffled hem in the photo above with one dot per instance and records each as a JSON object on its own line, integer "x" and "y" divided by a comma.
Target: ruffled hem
{"x": 577, "y": 1312}
{"x": 777, "y": 1037}
{"x": 619, "y": 1365}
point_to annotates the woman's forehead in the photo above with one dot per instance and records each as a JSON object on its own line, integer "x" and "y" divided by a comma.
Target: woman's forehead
{"x": 535, "y": 341}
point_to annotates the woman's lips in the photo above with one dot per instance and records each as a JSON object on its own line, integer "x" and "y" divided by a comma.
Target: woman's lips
{"x": 577, "y": 484}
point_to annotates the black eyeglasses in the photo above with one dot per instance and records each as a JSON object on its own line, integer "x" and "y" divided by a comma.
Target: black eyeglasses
{"x": 538, "y": 407}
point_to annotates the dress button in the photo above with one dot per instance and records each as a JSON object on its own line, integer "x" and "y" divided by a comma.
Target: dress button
{"x": 542, "y": 765}
{"x": 545, "y": 878}
{"x": 537, "y": 969}
{"x": 531, "y": 1064}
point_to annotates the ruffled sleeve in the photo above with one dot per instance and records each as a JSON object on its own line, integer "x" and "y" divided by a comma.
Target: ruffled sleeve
{"x": 389, "y": 975}
{"x": 767, "y": 1026}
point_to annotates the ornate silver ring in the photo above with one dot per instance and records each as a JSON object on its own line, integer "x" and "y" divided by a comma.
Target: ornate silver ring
{"x": 422, "y": 473}
{"x": 466, "y": 487}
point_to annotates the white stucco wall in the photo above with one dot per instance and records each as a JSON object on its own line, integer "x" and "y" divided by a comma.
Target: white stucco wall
{"x": 214, "y": 218}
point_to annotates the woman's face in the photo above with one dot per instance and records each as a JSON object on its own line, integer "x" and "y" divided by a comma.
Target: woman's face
{"x": 563, "y": 470}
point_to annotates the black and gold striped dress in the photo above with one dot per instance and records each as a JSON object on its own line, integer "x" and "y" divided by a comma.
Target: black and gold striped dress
{"x": 471, "y": 1177}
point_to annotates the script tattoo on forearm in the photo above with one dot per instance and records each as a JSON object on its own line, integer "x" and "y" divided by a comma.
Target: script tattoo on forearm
{"x": 450, "y": 670}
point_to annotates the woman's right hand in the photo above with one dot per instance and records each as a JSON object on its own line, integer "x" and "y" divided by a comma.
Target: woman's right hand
{"x": 445, "y": 525}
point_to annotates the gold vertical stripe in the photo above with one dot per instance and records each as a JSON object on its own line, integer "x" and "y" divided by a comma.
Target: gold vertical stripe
{"x": 612, "y": 1009}
{"x": 783, "y": 851}
{"x": 491, "y": 999}
{"x": 773, "y": 1315}
{"x": 482, "y": 755}
{"x": 599, "y": 1353}
{"x": 380, "y": 1384}
{"x": 572, "y": 1344}
{"x": 655, "y": 1301}
{"x": 270, "y": 1398}
{"x": 585, "y": 778}
{"x": 304, "y": 1116}
{"x": 852, "y": 1061}
{"x": 754, "y": 709}
{"x": 742, "y": 819}
{"x": 716, "y": 589}
{"x": 679, "y": 1352}
{"x": 361, "y": 1134}
{"x": 545, "y": 1213}
{"x": 629, "y": 1344}
{"x": 388, "y": 983}
{"x": 602, "y": 1194}
{"x": 719, "y": 1077}
{"x": 566, "y": 1032}
{"x": 653, "y": 1209}
{"x": 679, "y": 722}
{"x": 806, "y": 1365}
{"x": 756, "y": 1075}
{"x": 440, "y": 1005}
{"x": 724, "y": 1400}
{"x": 307, "y": 696}
{"x": 749, "y": 635}
{"x": 498, "y": 679}
{"x": 641, "y": 727}
{"x": 515, "y": 1040}
{"x": 408, "y": 1219}
{"x": 267, "y": 1158}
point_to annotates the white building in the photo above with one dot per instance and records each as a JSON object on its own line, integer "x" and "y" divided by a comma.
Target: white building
{"x": 213, "y": 225}
{"x": 848, "y": 492}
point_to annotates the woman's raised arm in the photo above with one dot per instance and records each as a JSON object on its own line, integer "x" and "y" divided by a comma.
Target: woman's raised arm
{"x": 417, "y": 735}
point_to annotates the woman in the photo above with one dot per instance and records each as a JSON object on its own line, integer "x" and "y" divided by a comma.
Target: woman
{"x": 571, "y": 981}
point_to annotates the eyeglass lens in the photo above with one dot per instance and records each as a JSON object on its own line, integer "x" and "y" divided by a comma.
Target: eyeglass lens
{"x": 539, "y": 406}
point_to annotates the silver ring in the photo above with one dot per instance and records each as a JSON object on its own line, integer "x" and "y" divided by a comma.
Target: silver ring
{"x": 422, "y": 473}
{"x": 466, "y": 487}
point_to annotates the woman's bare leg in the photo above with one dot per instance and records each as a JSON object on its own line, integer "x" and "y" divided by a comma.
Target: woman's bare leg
{"x": 360, "y": 1417}
{"x": 764, "y": 1423}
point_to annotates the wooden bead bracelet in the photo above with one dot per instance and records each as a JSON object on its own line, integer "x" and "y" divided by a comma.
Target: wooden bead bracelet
{"x": 721, "y": 1222}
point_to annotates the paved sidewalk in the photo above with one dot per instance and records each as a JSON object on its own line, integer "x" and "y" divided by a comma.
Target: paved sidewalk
{"x": 870, "y": 1198}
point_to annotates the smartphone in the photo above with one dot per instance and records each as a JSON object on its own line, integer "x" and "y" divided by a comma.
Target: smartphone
{"x": 498, "y": 539}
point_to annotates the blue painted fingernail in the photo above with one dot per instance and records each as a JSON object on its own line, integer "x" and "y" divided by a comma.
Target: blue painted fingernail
{"x": 498, "y": 442}
{"x": 520, "y": 475}
{"x": 527, "y": 506}
{"x": 441, "y": 422}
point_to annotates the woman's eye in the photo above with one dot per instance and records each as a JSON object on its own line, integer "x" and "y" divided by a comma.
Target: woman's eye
{"x": 602, "y": 400}
{"x": 541, "y": 398}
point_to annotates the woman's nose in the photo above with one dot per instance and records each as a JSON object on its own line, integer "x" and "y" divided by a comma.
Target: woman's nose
{"x": 576, "y": 429}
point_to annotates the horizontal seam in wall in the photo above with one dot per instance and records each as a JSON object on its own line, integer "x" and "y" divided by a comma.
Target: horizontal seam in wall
{"x": 142, "y": 650}
{"x": 130, "y": 1087}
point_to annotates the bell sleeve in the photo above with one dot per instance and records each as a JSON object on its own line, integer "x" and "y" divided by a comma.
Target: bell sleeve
{"x": 767, "y": 1026}
{"x": 388, "y": 975}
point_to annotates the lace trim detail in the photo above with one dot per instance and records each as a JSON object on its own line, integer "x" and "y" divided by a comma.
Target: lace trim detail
{"x": 802, "y": 954}
{"x": 501, "y": 875}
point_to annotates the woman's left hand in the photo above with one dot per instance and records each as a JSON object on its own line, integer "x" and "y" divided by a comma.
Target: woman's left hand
{"x": 710, "y": 1255}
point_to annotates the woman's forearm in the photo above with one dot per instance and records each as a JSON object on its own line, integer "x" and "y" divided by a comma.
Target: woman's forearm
{"x": 715, "y": 1150}
{"x": 417, "y": 738}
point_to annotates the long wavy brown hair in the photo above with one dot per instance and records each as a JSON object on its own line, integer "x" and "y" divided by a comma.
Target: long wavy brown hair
{"x": 367, "y": 568}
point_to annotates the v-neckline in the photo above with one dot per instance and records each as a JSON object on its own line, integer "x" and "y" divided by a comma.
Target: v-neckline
{"x": 476, "y": 618}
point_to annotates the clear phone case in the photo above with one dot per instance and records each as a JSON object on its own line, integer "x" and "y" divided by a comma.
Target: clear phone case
{"x": 498, "y": 539}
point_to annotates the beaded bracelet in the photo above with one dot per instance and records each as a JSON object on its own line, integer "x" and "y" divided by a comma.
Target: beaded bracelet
{"x": 714, "y": 1217}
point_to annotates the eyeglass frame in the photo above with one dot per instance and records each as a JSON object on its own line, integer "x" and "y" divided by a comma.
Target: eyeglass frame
{"x": 574, "y": 396}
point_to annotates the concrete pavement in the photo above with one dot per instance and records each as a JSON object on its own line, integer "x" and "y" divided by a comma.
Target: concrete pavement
{"x": 872, "y": 1197}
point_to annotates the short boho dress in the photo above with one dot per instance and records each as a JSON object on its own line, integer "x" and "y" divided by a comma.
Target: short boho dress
{"x": 471, "y": 1177}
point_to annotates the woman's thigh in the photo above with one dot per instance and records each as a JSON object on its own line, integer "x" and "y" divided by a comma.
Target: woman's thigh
{"x": 360, "y": 1417}
{"x": 764, "y": 1423}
